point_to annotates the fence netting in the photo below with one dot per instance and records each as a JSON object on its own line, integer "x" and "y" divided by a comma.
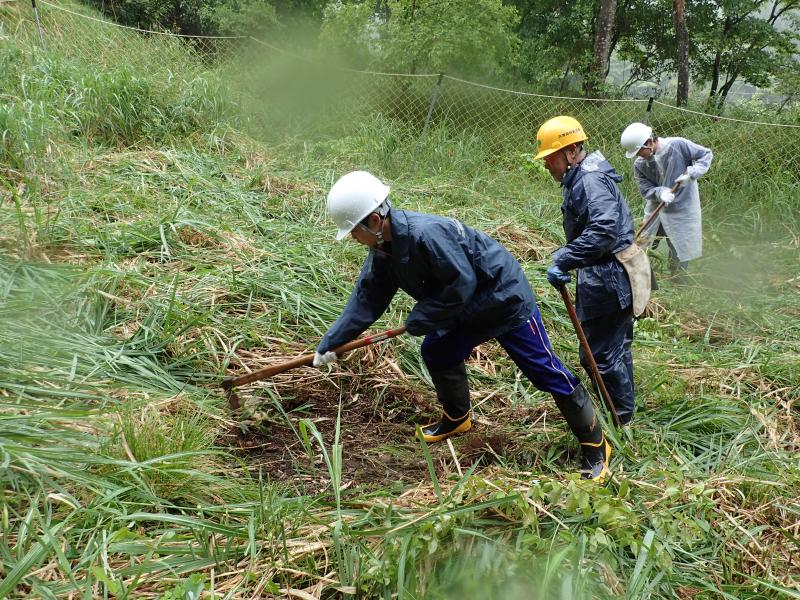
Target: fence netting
{"x": 288, "y": 96}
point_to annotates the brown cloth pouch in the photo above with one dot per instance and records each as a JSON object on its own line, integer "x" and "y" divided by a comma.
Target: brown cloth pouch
{"x": 636, "y": 263}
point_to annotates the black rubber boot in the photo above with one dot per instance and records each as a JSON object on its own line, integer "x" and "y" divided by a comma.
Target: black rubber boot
{"x": 677, "y": 267}
{"x": 580, "y": 416}
{"x": 679, "y": 273}
{"x": 452, "y": 390}
{"x": 625, "y": 419}
{"x": 579, "y": 413}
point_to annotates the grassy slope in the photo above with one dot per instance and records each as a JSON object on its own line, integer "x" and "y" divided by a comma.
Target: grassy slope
{"x": 145, "y": 252}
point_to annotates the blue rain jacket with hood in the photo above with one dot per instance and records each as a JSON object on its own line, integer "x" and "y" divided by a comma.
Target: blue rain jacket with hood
{"x": 459, "y": 277}
{"x": 597, "y": 224}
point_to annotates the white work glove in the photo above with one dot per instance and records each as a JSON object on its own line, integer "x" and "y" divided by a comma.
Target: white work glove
{"x": 683, "y": 179}
{"x": 324, "y": 359}
{"x": 666, "y": 196}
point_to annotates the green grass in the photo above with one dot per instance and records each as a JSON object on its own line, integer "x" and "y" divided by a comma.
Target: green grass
{"x": 148, "y": 247}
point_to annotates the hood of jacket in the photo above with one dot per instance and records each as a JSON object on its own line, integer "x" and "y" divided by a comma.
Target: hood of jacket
{"x": 594, "y": 162}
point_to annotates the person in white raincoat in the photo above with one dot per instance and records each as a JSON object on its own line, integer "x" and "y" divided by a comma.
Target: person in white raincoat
{"x": 662, "y": 163}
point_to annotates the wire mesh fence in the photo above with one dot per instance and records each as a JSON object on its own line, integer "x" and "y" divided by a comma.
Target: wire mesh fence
{"x": 286, "y": 96}
{"x": 74, "y": 30}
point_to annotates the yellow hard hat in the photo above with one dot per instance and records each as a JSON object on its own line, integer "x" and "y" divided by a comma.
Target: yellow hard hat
{"x": 557, "y": 133}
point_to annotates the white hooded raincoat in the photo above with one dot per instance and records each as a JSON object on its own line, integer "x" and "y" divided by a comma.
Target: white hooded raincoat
{"x": 681, "y": 219}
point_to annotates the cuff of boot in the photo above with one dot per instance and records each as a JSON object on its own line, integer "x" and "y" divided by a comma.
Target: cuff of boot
{"x": 454, "y": 419}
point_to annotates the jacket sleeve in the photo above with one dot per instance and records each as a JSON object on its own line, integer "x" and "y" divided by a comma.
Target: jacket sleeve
{"x": 698, "y": 156}
{"x": 647, "y": 188}
{"x": 598, "y": 237}
{"x": 370, "y": 298}
{"x": 455, "y": 280}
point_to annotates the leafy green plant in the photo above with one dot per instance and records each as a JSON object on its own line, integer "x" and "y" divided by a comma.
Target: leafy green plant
{"x": 191, "y": 589}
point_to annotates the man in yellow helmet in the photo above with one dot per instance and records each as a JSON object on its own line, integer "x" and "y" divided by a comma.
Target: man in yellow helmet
{"x": 598, "y": 225}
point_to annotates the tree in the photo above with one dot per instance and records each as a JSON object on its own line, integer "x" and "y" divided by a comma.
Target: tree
{"x": 602, "y": 47}
{"x": 788, "y": 81}
{"x": 743, "y": 43}
{"x": 682, "y": 39}
{"x": 555, "y": 39}
{"x": 647, "y": 40}
{"x": 192, "y": 17}
{"x": 456, "y": 36}
{"x": 755, "y": 41}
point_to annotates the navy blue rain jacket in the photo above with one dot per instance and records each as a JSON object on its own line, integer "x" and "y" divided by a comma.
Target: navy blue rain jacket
{"x": 597, "y": 224}
{"x": 459, "y": 277}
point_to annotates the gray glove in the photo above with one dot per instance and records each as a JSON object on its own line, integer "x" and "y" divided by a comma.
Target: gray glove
{"x": 666, "y": 196}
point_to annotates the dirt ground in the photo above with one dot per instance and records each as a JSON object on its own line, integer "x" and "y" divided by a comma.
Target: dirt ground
{"x": 377, "y": 436}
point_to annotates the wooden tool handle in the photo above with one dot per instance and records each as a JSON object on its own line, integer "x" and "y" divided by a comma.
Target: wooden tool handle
{"x": 654, "y": 214}
{"x": 232, "y": 382}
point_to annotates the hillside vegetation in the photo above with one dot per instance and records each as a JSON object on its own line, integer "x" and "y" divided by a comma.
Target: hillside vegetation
{"x": 151, "y": 243}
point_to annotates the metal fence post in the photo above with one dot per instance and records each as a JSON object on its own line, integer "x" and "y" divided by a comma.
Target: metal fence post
{"x": 437, "y": 88}
{"x": 38, "y": 23}
{"x": 646, "y": 119}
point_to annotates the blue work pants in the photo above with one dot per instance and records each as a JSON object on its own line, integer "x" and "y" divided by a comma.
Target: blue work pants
{"x": 527, "y": 345}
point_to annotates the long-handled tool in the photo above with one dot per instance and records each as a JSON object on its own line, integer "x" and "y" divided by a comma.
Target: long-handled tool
{"x": 231, "y": 382}
{"x": 654, "y": 214}
{"x": 588, "y": 352}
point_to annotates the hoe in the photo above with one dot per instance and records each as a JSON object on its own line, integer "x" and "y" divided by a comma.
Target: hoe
{"x": 233, "y": 382}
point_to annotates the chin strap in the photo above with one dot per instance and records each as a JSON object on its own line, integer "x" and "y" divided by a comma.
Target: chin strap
{"x": 569, "y": 164}
{"x": 378, "y": 233}
{"x": 578, "y": 154}
{"x": 382, "y": 211}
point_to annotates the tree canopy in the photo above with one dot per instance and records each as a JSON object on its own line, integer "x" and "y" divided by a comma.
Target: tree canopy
{"x": 556, "y": 46}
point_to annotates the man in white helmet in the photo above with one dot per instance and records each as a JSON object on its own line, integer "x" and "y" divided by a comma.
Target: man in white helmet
{"x": 469, "y": 289}
{"x": 660, "y": 164}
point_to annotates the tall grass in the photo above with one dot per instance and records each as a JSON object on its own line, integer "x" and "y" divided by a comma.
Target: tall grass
{"x": 53, "y": 99}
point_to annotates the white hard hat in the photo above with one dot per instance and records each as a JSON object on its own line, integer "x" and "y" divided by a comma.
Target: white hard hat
{"x": 353, "y": 197}
{"x": 634, "y": 138}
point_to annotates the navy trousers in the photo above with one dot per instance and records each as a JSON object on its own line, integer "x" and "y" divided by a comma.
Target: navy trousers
{"x": 610, "y": 338}
{"x": 527, "y": 345}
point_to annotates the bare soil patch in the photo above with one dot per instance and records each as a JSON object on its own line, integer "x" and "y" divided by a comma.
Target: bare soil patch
{"x": 378, "y": 439}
